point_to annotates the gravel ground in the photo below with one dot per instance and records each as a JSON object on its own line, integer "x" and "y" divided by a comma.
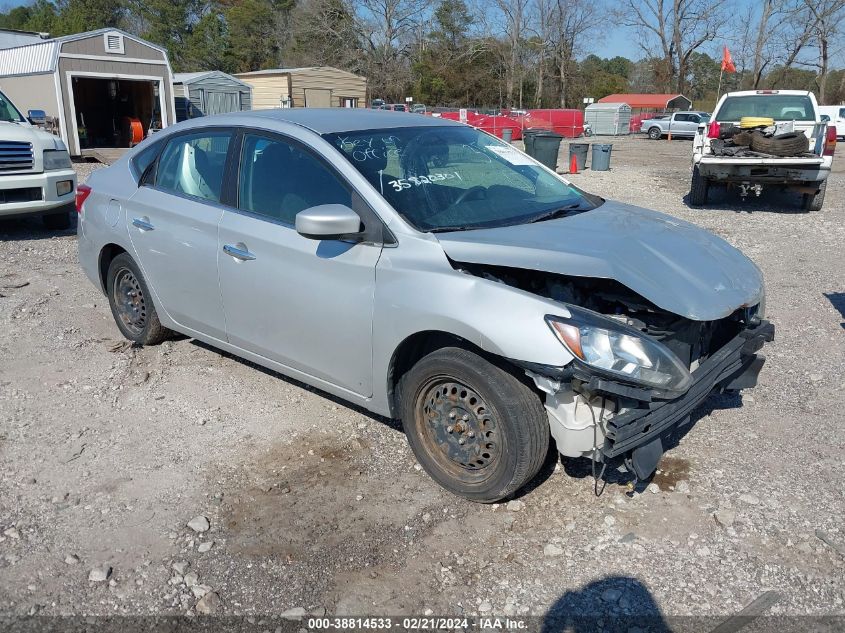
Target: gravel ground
{"x": 107, "y": 452}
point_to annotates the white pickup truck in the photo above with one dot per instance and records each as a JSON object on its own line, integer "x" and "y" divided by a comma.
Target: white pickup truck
{"x": 36, "y": 175}
{"x": 749, "y": 169}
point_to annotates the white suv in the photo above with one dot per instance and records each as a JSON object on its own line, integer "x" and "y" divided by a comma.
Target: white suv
{"x": 36, "y": 175}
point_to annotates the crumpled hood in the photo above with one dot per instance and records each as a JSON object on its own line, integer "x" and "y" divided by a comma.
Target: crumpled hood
{"x": 674, "y": 264}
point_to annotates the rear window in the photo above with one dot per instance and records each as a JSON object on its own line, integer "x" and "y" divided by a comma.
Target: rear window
{"x": 778, "y": 107}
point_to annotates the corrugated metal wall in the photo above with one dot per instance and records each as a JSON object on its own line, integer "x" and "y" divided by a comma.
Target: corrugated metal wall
{"x": 28, "y": 60}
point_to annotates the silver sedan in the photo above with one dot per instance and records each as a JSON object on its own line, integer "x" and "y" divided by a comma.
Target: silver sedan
{"x": 426, "y": 271}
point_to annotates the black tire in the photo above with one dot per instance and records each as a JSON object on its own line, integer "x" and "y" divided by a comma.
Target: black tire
{"x": 654, "y": 133}
{"x": 815, "y": 202}
{"x": 56, "y": 221}
{"x": 789, "y": 144}
{"x": 131, "y": 303}
{"x": 699, "y": 189}
{"x": 502, "y": 421}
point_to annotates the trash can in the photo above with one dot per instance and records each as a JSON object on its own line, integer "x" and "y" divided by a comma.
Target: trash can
{"x": 507, "y": 134}
{"x": 546, "y": 147}
{"x": 601, "y": 157}
{"x": 528, "y": 139}
{"x": 579, "y": 150}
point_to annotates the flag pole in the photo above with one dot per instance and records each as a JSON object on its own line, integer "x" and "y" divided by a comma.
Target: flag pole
{"x": 719, "y": 90}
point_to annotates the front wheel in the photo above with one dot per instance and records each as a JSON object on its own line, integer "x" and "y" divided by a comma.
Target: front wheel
{"x": 654, "y": 134}
{"x": 474, "y": 427}
{"x": 131, "y": 303}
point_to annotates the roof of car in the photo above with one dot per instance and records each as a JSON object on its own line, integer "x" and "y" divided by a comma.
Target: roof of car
{"x": 328, "y": 120}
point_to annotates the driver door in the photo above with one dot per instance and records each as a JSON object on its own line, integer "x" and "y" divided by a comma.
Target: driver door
{"x": 305, "y": 303}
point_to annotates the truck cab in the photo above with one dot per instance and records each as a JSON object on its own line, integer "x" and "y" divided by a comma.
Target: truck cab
{"x": 36, "y": 175}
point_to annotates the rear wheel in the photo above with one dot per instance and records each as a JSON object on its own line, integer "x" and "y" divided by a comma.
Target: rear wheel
{"x": 131, "y": 303}
{"x": 474, "y": 427}
{"x": 56, "y": 221}
{"x": 699, "y": 189}
{"x": 654, "y": 134}
{"x": 815, "y": 202}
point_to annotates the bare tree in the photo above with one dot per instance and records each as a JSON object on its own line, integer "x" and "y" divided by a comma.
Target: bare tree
{"x": 389, "y": 30}
{"x": 513, "y": 16}
{"x": 572, "y": 21}
{"x": 827, "y": 17}
{"x": 677, "y": 27}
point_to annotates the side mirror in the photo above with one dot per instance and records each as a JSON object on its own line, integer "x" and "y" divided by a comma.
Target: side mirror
{"x": 37, "y": 117}
{"x": 328, "y": 222}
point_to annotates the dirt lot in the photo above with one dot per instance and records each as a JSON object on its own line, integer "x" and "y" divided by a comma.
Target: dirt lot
{"x": 108, "y": 451}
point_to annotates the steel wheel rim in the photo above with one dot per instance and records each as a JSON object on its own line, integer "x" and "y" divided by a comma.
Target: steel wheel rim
{"x": 129, "y": 301}
{"x": 459, "y": 430}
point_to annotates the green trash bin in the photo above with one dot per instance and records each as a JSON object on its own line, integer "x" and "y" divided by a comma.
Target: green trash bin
{"x": 546, "y": 147}
{"x": 579, "y": 151}
{"x": 601, "y": 157}
{"x": 528, "y": 139}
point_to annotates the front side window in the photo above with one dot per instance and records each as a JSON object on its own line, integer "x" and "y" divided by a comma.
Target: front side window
{"x": 682, "y": 117}
{"x": 193, "y": 164}
{"x": 278, "y": 180}
{"x": 457, "y": 178}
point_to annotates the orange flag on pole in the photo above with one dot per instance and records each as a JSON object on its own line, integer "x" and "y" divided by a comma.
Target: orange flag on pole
{"x": 728, "y": 63}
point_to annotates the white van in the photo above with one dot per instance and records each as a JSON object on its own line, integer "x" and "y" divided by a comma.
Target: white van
{"x": 36, "y": 175}
{"x": 837, "y": 117}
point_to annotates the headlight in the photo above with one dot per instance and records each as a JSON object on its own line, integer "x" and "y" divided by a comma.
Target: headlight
{"x": 620, "y": 352}
{"x": 56, "y": 159}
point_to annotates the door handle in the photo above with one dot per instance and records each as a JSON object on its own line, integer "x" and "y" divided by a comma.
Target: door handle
{"x": 238, "y": 251}
{"x": 143, "y": 224}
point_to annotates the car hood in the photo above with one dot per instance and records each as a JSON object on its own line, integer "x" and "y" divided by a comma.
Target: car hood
{"x": 674, "y": 264}
{"x": 40, "y": 139}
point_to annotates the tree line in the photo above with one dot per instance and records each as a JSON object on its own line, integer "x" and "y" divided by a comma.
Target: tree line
{"x": 486, "y": 53}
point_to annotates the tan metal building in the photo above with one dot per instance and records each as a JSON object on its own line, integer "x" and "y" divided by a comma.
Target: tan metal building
{"x": 314, "y": 87}
{"x": 104, "y": 87}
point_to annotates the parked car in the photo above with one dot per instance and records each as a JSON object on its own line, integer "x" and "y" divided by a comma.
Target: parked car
{"x": 398, "y": 107}
{"x": 419, "y": 108}
{"x": 836, "y": 115}
{"x": 377, "y": 104}
{"x": 798, "y": 159}
{"x": 36, "y": 175}
{"x": 426, "y": 271}
{"x": 679, "y": 124}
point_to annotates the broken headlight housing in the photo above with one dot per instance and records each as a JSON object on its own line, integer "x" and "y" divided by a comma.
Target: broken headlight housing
{"x": 620, "y": 352}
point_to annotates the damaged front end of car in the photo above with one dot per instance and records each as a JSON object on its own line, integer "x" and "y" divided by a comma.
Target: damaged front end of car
{"x": 638, "y": 371}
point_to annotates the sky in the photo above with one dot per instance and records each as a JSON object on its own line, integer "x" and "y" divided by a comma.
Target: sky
{"x": 617, "y": 40}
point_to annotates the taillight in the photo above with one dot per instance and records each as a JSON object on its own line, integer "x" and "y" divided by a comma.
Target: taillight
{"x": 830, "y": 141}
{"x": 714, "y": 130}
{"x": 82, "y": 193}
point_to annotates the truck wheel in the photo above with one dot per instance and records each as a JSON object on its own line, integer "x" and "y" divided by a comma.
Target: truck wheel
{"x": 699, "y": 188}
{"x": 655, "y": 133}
{"x": 815, "y": 202}
{"x": 475, "y": 428}
{"x": 131, "y": 304}
{"x": 56, "y": 221}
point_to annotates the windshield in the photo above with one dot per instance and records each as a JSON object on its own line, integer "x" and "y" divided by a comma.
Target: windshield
{"x": 778, "y": 107}
{"x": 8, "y": 112}
{"x": 457, "y": 178}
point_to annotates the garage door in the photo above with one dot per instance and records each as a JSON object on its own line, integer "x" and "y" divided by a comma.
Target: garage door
{"x": 318, "y": 98}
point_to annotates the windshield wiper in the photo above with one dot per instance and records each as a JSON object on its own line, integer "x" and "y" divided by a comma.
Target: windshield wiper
{"x": 449, "y": 229}
{"x": 557, "y": 213}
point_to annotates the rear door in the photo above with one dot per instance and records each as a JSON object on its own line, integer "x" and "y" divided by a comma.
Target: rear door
{"x": 172, "y": 220}
{"x": 305, "y": 303}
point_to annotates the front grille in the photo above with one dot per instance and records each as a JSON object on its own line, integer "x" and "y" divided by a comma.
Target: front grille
{"x": 15, "y": 156}
{"x": 24, "y": 194}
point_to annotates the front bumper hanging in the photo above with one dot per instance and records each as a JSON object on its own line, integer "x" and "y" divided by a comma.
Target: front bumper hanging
{"x": 735, "y": 366}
